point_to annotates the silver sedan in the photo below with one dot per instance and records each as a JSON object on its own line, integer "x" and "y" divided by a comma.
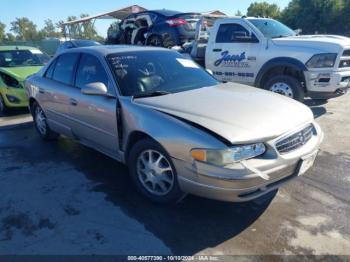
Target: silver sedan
{"x": 177, "y": 128}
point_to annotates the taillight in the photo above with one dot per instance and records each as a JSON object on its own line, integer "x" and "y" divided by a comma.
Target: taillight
{"x": 176, "y": 22}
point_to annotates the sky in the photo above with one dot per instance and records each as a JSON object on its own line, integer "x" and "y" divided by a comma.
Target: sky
{"x": 40, "y": 10}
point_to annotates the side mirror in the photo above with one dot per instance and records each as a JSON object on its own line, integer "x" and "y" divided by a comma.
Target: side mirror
{"x": 298, "y": 31}
{"x": 95, "y": 89}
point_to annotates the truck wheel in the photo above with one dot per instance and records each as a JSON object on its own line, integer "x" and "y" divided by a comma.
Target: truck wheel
{"x": 155, "y": 41}
{"x": 3, "y": 108}
{"x": 41, "y": 125}
{"x": 286, "y": 85}
{"x": 153, "y": 172}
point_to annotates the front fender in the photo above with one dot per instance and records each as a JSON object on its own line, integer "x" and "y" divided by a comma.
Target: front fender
{"x": 279, "y": 62}
{"x": 176, "y": 136}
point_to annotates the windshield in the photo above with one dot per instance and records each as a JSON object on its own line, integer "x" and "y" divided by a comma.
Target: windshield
{"x": 157, "y": 72}
{"x": 17, "y": 58}
{"x": 272, "y": 28}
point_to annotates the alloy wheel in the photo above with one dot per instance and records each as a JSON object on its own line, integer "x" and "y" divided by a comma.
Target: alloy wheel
{"x": 40, "y": 121}
{"x": 283, "y": 89}
{"x": 155, "y": 172}
{"x": 155, "y": 41}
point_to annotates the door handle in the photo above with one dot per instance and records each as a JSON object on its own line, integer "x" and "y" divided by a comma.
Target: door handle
{"x": 73, "y": 102}
{"x": 217, "y": 50}
{"x": 41, "y": 90}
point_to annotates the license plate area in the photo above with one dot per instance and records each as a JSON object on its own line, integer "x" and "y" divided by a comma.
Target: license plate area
{"x": 307, "y": 162}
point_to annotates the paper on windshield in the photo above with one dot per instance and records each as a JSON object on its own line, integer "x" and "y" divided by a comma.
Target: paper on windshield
{"x": 187, "y": 63}
{"x": 35, "y": 52}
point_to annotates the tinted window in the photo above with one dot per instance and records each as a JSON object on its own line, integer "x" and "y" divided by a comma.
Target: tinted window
{"x": 20, "y": 58}
{"x": 144, "y": 72}
{"x": 64, "y": 68}
{"x": 229, "y": 33}
{"x": 89, "y": 71}
{"x": 49, "y": 72}
{"x": 272, "y": 28}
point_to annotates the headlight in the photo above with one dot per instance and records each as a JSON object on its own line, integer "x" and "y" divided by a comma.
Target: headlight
{"x": 228, "y": 156}
{"x": 322, "y": 61}
{"x": 9, "y": 81}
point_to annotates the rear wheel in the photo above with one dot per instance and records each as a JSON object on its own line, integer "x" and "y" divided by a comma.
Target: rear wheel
{"x": 286, "y": 85}
{"x": 153, "y": 172}
{"x": 41, "y": 125}
{"x": 155, "y": 41}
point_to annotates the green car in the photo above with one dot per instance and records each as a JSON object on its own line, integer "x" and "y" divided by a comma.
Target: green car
{"x": 16, "y": 64}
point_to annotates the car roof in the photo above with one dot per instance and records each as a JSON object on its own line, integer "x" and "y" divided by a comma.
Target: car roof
{"x": 83, "y": 40}
{"x": 104, "y": 50}
{"x": 14, "y": 47}
{"x": 166, "y": 12}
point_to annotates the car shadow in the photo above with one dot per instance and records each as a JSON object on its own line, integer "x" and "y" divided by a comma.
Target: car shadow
{"x": 15, "y": 113}
{"x": 316, "y": 106}
{"x": 180, "y": 226}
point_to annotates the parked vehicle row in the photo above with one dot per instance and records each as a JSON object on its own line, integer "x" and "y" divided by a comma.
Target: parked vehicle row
{"x": 263, "y": 52}
{"x": 177, "y": 128}
{"x": 155, "y": 28}
{"x": 16, "y": 64}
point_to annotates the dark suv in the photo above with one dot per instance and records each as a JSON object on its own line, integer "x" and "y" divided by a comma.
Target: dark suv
{"x": 157, "y": 28}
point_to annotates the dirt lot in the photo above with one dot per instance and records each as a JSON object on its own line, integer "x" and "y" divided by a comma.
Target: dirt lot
{"x": 63, "y": 198}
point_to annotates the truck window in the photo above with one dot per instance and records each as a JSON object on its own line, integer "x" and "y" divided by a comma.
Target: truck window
{"x": 231, "y": 33}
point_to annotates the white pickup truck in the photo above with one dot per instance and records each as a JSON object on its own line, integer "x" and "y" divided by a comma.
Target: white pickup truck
{"x": 263, "y": 52}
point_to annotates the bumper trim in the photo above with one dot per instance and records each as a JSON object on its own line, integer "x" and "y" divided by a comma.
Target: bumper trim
{"x": 233, "y": 195}
{"x": 326, "y": 95}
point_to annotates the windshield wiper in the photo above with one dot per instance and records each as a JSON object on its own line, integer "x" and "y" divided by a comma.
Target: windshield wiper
{"x": 151, "y": 94}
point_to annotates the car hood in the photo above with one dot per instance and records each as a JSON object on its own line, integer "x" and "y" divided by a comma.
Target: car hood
{"x": 20, "y": 73}
{"x": 238, "y": 113}
{"x": 330, "y": 43}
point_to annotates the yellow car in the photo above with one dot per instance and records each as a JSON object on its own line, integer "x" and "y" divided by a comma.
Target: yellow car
{"x": 16, "y": 64}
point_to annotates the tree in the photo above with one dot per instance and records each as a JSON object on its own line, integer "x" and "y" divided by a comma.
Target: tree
{"x": 49, "y": 30}
{"x": 24, "y": 29}
{"x": 315, "y": 16}
{"x": 85, "y": 30}
{"x": 238, "y": 13}
{"x": 10, "y": 37}
{"x": 2, "y": 32}
{"x": 60, "y": 27}
{"x": 264, "y": 9}
{"x": 89, "y": 31}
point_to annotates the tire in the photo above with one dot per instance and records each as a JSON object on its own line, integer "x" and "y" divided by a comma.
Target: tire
{"x": 41, "y": 125}
{"x": 3, "y": 108}
{"x": 155, "y": 40}
{"x": 156, "y": 185}
{"x": 286, "y": 85}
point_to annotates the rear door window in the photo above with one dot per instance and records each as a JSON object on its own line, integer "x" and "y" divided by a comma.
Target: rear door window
{"x": 64, "y": 69}
{"x": 230, "y": 33}
{"x": 90, "y": 70}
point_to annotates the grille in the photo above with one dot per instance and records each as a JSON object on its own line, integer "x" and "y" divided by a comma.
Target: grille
{"x": 296, "y": 140}
{"x": 346, "y": 52}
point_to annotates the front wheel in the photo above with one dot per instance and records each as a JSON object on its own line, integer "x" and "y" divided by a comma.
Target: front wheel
{"x": 153, "y": 172}
{"x": 286, "y": 85}
{"x": 41, "y": 125}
